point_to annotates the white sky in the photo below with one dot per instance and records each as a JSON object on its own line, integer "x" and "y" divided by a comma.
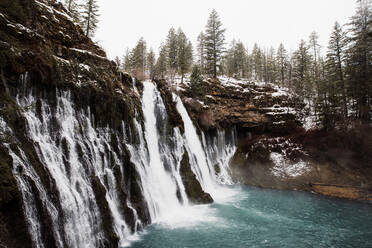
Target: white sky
{"x": 267, "y": 22}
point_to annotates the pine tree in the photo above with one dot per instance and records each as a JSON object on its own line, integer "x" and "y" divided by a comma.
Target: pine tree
{"x": 335, "y": 63}
{"x": 214, "y": 42}
{"x": 117, "y": 61}
{"x": 161, "y": 63}
{"x": 127, "y": 61}
{"x": 197, "y": 86}
{"x": 89, "y": 18}
{"x": 201, "y": 51}
{"x": 230, "y": 67}
{"x": 235, "y": 60}
{"x": 151, "y": 63}
{"x": 282, "y": 60}
{"x": 359, "y": 58}
{"x": 257, "y": 60}
{"x": 327, "y": 106}
{"x": 314, "y": 45}
{"x": 301, "y": 70}
{"x": 184, "y": 53}
{"x": 241, "y": 57}
{"x": 172, "y": 53}
{"x": 73, "y": 8}
{"x": 271, "y": 66}
{"x": 138, "y": 59}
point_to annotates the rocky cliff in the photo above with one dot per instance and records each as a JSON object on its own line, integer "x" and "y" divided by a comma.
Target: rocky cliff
{"x": 274, "y": 150}
{"x": 72, "y": 128}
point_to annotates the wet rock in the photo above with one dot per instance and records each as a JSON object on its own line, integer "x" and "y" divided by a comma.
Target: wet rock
{"x": 193, "y": 188}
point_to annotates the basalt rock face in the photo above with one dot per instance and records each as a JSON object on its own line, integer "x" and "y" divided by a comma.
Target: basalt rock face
{"x": 194, "y": 191}
{"x": 333, "y": 163}
{"x": 273, "y": 150}
{"x": 251, "y": 107}
{"x": 47, "y": 66}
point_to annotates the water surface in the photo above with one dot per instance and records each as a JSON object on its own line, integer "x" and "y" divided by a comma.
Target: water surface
{"x": 252, "y": 217}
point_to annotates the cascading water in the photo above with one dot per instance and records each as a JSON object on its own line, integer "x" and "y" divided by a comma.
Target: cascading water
{"x": 205, "y": 159}
{"x": 79, "y": 156}
{"x": 158, "y": 183}
{"x": 72, "y": 165}
{"x": 219, "y": 150}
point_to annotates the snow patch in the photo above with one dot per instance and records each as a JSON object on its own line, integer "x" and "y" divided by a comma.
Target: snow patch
{"x": 87, "y": 52}
{"x": 285, "y": 169}
{"x": 62, "y": 60}
{"x": 84, "y": 66}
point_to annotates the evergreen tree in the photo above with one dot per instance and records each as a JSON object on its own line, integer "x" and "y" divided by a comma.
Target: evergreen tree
{"x": 127, "y": 61}
{"x": 117, "y": 61}
{"x": 172, "y": 53}
{"x": 138, "y": 59}
{"x": 327, "y": 106}
{"x": 214, "y": 42}
{"x": 359, "y": 58}
{"x": 235, "y": 60}
{"x": 89, "y": 18}
{"x": 151, "y": 63}
{"x": 241, "y": 57}
{"x": 201, "y": 52}
{"x": 271, "y": 66}
{"x": 161, "y": 63}
{"x": 257, "y": 60}
{"x": 282, "y": 60}
{"x": 301, "y": 70}
{"x": 335, "y": 63}
{"x": 73, "y": 8}
{"x": 197, "y": 86}
{"x": 184, "y": 55}
{"x": 314, "y": 45}
{"x": 230, "y": 66}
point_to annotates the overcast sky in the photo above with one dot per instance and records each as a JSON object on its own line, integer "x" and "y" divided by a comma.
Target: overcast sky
{"x": 267, "y": 22}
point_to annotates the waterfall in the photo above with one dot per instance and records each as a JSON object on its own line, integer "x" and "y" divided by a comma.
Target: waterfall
{"x": 80, "y": 157}
{"x": 219, "y": 150}
{"x": 159, "y": 185}
{"x": 73, "y": 155}
{"x": 205, "y": 156}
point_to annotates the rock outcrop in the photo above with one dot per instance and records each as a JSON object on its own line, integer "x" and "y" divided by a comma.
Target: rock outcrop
{"x": 274, "y": 151}
{"x": 251, "y": 107}
{"x": 193, "y": 189}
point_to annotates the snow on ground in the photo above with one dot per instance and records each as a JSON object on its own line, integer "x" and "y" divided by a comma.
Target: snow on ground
{"x": 87, "y": 52}
{"x": 310, "y": 120}
{"x": 284, "y": 168}
{"x": 277, "y": 110}
{"x": 61, "y": 60}
{"x": 54, "y": 11}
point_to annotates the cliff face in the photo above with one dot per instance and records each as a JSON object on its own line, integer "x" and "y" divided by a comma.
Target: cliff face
{"x": 73, "y": 140}
{"x": 274, "y": 150}
{"x": 45, "y": 60}
{"x": 250, "y": 106}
